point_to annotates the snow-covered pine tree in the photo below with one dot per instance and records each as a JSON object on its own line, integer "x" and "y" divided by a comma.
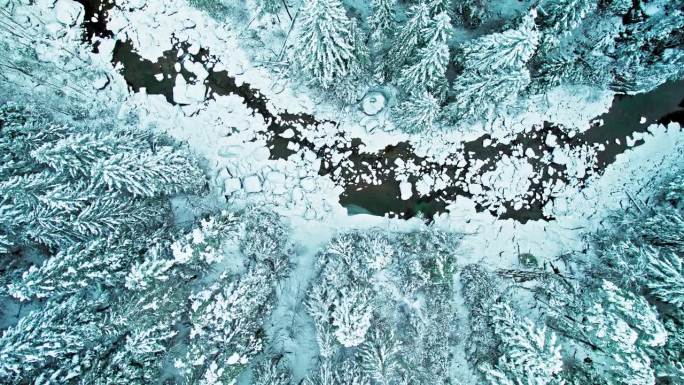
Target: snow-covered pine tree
{"x": 75, "y": 155}
{"x": 505, "y": 51}
{"x": 383, "y": 24}
{"x": 472, "y": 13}
{"x": 73, "y": 268}
{"x": 562, "y": 16}
{"x": 349, "y": 89}
{"x": 439, "y": 6}
{"x": 380, "y": 356}
{"x": 226, "y": 326}
{"x": 620, "y": 7}
{"x": 567, "y": 68}
{"x": 410, "y": 37}
{"x": 666, "y": 277}
{"x": 351, "y": 317}
{"x": 531, "y": 355}
{"x": 494, "y": 72}
{"x": 383, "y": 21}
{"x": 117, "y": 336}
{"x": 149, "y": 173}
{"x": 324, "y": 49}
{"x": 269, "y": 6}
{"x": 273, "y": 372}
{"x": 480, "y": 291}
{"x": 61, "y": 186}
{"x": 418, "y": 114}
{"x": 478, "y": 95}
{"x": 621, "y": 331}
{"x": 268, "y": 239}
{"x": 428, "y": 71}
{"x": 57, "y": 334}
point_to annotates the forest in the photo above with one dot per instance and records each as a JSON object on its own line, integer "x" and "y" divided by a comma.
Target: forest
{"x": 342, "y": 192}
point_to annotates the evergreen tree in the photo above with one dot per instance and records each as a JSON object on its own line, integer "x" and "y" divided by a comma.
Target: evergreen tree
{"x": 324, "y": 48}
{"x": 149, "y": 173}
{"x": 666, "y": 271}
{"x": 383, "y": 20}
{"x": 494, "y": 72}
{"x": 418, "y": 114}
{"x": 429, "y": 69}
{"x": 274, "y": 372}
{"x": 479, "y": 95}
{"x": 270, "y": 6}
{"x": 530, "y": 355}
{"x": 61, "y": 186}
{"x": 472, "y": 13}
{"x": 380, "y": 356}
{"x": 226, "y": 327}
{"x": 410, "y": 37}
{"x": 54, "y": 335}
{"x": 622, "y": 331}
{"x": 480, "y": 291}
{"x": 562, "y": 16}
{"x": 351, "y": 317}
{"x": 505, "y": 51}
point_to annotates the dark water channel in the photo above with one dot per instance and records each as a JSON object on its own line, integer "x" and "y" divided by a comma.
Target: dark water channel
{"x": 382, "y": 196}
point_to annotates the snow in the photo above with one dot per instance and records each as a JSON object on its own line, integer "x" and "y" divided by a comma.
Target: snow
{"x": 406, "y": 189}
{"x": 242, "y": 172}
{"x": 373, "y": 103}
{"x": 185, "y": 93}
{"x": 69, "y": 12}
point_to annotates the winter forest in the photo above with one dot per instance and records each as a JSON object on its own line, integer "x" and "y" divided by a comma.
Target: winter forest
{"x": 342, "y": 192}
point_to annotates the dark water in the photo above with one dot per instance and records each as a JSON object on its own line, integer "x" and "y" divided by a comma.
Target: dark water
{"x": 383, "y": 196}
{"x": 96, "y": 14}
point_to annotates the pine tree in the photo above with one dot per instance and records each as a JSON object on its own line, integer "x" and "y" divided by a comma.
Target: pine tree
{"x": 472, "y": 13}
{"x": 351, "y": 317}
{"x": 72, "y": 269}
{"x": 383, "y": 20}
{"x": 380, "y": 356}
{"x": 58, "y": 334}
{"x": 270, "y": 6}
{"x": 226, "y": 326}
{"x": 439, "y": 6}
{"x": 479, "y": 95}
{"x": 267, "y": 239}
{"x": 61, "y": 186}
{"x": 274, "y": 372}
{"x": 623, "y": 331}
{"x": 506, "y": 51}
{"x": 530, "y": 355}
{"x": 562, "y": 16}
{"x": 429, "y": 69}
{"x": 349, "y": 89}
{"x": 494, "y": 72}
{"x": 76, "y": 154}
{"x": 418, "y": 114}
{"x": 480, "y": 291}
{"x": 666, "y": 272}
{"x": 324, "y": 49}
{"x": 410, "y": 38}
{"x": 149, "y": 173}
